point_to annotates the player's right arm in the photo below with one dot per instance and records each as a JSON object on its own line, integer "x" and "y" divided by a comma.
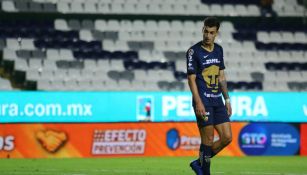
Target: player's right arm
{"x": 199, "y": 106}
{"x": 192, "y": 68}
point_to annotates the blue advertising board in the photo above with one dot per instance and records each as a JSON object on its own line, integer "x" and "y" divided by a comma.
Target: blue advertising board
{"x": 269, "y": 139}
{"x": 18, "y": 107}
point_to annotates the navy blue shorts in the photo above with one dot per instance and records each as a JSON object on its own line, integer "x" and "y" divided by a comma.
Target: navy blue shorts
{"x": 216, "y": 115}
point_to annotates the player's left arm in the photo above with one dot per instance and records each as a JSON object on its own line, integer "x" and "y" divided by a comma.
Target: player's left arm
{"x": 223, "y": 84}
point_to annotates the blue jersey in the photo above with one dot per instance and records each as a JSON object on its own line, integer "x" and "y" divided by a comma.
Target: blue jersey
{"x": 206, "y": 66}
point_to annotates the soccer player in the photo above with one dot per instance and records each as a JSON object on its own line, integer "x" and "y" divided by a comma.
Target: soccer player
{"x": 207, "y": 82}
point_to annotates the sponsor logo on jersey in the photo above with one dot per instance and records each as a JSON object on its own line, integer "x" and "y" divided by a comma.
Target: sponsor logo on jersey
{"x": 191, "y": 51}
{"x": 211, "y": 61}
{"x": 190, "y": 59}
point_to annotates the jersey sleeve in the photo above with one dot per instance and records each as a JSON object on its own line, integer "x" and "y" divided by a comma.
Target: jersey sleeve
{"x": 222, "y": 65}
{"x": 191, "y": 62}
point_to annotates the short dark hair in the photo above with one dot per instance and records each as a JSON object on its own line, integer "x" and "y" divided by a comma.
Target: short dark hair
{"x": 212, "y": 22}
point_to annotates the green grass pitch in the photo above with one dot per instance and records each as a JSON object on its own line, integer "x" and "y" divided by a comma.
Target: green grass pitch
{"x": 154, "y": 166}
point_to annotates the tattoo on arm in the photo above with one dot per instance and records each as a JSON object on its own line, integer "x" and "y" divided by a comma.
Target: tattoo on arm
{"x": 223, "y": 84}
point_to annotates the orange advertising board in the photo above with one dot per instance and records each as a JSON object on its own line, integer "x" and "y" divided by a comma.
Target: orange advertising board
{"x": 105, "y": 139}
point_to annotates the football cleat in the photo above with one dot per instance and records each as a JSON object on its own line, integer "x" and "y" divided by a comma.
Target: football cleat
{"x": 196, "y": 167}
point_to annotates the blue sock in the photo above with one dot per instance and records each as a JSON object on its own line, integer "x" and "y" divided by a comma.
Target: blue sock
{"x": 205, "y": 154}
{"x": 201, "y": 152}
{"x": 201, "y": 149}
